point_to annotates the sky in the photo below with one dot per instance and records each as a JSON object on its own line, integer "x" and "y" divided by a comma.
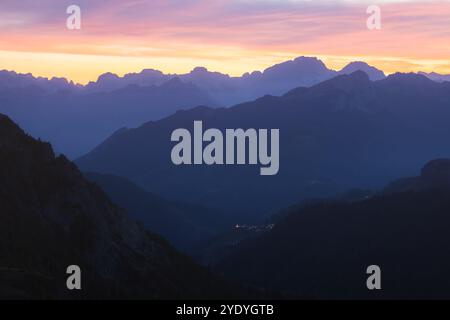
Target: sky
{"x": 229, "y": 36}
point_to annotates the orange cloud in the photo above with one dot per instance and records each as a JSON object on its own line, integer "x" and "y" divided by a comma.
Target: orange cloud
{"x": 232, "y": 36}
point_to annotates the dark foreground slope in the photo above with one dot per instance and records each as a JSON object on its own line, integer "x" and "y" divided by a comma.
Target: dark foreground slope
{"x": 51, "y": 217}
{"x": 185, "y": 225}
{"x": 323, "y": 250}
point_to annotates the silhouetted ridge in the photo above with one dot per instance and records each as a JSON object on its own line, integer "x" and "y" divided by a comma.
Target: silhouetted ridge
{"x": 372, "y": 72}
{"x": 352, "y": 80}
{"x": 434, "y": 175}
{"x": 108, "y": 76}
{"x": 348, "y": 83}
{"x": 342, "y": 133}
{"x": 411, "y": 79}
{"x": 291, "y": 69}
{"x": 437, "y": 171}
{"x": 14, "y": 139}
{"x": 51, "y": 217}
{"x": 71, "y": 113}
{"x": 322, "y": 250}
{"x": 436, "y": 76}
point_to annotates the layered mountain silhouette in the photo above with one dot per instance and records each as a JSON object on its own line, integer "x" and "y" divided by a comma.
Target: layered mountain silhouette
{"x": 373, "y": 73}
{"x": 340, "y": 134}
{"x": 323, "y": 250}
{"x": 51, "y": 217}
{"x": 185, "y": 225}
{"x": 76, "y": 118}
{"x": 75, "y": 122}
{"x": 11, "y": 79}
{"x": 227, "y": 90}
{"x": 436, "y": 76}
{"x": 339, "y": 130}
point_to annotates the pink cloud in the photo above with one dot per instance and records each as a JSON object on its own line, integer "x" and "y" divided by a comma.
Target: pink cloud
{"x": 207, "y": 28}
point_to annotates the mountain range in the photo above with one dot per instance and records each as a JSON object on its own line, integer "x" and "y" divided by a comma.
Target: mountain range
{"x": 112, "y": 209}
{"x": 74, "y": 122}
{"x": 227, "y": 90}
{"x": 346, "y": 132}
{"x": 436, "y": 76}
{"x": 11, "y": 79}
{"x": 76, "y": 118}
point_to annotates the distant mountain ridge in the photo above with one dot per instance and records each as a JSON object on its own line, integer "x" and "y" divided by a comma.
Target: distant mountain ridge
{"x": 75, "y": 122}
{"x": 373, "y": 73}
{"x": 343, "y": 133}
{"x": 227, "y": 90}
{"x": 436, "y": 76}
{"x": 76, "y": 118}
{"x": 301, "y": 71}
{"x": 11, "y": 79}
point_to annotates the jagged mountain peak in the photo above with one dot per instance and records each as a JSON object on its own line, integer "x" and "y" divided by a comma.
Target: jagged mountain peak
{"x": 372, "y": 72}
{"x": 409, "y": 77}
{"x": 309, "y": 60}
{"x": 151, "y": 72}
{"x": 299, "y": 67}
{"x": 107, "y": 76}
{"x": 349, "y": 82}
{"x": 199, "y": 70}
{"x": 436, "y": 76}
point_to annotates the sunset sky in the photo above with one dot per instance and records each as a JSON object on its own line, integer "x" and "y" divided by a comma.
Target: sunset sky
{"x": 230, "y": 36}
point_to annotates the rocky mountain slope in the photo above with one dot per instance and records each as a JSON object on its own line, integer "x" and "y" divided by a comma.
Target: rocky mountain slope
{"x": 51, "y": 217}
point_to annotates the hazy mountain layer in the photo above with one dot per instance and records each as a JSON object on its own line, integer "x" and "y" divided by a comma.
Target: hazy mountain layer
{"x": 343, "y": 133}
{"x": 75, "y": 122}
{"x": 76, "y": 118}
